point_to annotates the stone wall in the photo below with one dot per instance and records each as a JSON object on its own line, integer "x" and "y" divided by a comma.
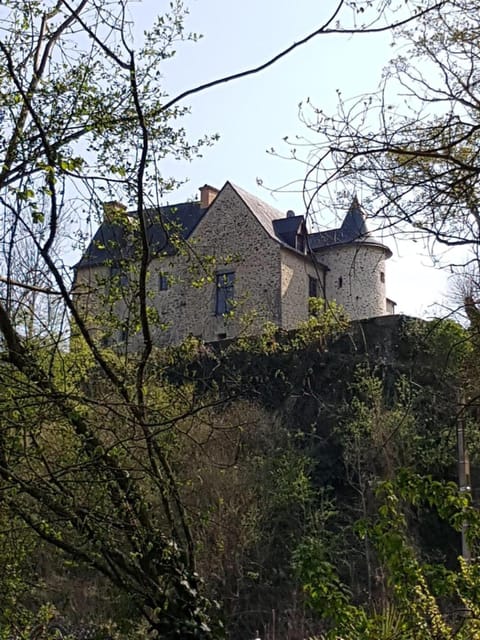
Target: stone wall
{"x": 356, "y": 279}
{"x": 270, "y": 282}
{"x": 228, "y": 239}
{"x": 88, "y": 296}
{"x": 109, "y": 308}
{"x": 295, "y": 272}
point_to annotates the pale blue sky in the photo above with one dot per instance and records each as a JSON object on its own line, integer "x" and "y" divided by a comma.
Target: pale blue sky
{"x": 254, "y": 114}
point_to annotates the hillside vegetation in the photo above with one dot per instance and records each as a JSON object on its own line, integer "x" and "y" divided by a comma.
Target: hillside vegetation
{"x": 312, "y": 469}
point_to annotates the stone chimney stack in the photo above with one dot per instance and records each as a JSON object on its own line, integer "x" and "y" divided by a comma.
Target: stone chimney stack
{"x": 207, "y": 195}
{"x": 113, "y": 212}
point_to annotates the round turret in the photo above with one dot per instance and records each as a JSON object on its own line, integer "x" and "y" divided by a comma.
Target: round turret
{"x": 356, "y": 266}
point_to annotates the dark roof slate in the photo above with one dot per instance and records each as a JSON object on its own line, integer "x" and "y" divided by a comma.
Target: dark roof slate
{"x": 353, "y": 230}
{"x": 287, "y": 229}
{"x": 115, "y": 242}
{"x": 354, "y": 226}
{"x": 279, "y": 227}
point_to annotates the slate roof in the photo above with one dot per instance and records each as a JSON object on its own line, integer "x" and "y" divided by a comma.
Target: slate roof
{"x": 354, "y": 230}
{"x": 114, "y": 242}
{"x": 279, "y": 227}
{"x": 287, "y": 229}
{"x": 354, "y": 225}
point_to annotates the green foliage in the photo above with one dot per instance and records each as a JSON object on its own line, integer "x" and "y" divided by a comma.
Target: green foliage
{"x": 419, "y": 594}
{"x": 17, "y": 546}
{"x": 325, "y": 322}
{"x": 446, "y": 344}
{"x": 248, "y": 481}
{"x": 84, "y": 462}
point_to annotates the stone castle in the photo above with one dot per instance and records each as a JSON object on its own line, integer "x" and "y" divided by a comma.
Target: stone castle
{"x": 226, "y": 265}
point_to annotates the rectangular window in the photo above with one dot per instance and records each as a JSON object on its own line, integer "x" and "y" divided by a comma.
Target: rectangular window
{"x": 162, "y": 282}
{"x": 224, "y": 293}
{"x": 382, "y": 276}
{"x": 312, "y": 287}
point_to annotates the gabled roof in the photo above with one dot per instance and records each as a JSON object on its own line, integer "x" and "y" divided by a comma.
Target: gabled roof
{"x": 114, "y": 241}
{"x": 263, "y": 212}
{"x": 282, "y": 229}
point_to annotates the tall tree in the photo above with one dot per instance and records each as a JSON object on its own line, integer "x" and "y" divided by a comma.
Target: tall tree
{"x": 83, "y": 119}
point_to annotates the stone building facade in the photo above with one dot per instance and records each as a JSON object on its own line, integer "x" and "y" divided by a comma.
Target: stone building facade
{"x": 224, "y": 266}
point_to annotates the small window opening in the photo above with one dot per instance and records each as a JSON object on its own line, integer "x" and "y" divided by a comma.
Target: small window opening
{"x": 340, "y": 282}
{"x": 162, "y": 282}
{"x": 221, "y": 336}
{"x": 312, "y": 287}
{"x": 224, "y": 292}
{"x": 382, "y": 276}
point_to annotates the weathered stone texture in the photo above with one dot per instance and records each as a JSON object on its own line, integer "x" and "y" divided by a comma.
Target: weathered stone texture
{"x": 272, "y": 281}
{"x": 228, "y": 239}
{"x": 89, "y": 290}
{"x": 295, "y": 272}
{"x": 355, "y": 278}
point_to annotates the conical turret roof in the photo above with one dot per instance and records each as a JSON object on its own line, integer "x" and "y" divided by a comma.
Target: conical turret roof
{"x": 354, "y": 226}
{"x": 353, "y": 230}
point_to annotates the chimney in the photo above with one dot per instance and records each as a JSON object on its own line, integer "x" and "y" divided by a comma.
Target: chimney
{"x": 207, "y": 195}
{"x": 113, "y": 212}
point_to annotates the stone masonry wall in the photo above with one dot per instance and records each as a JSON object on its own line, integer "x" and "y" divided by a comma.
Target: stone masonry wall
{"x": 228, "y": 239}
{"x": 107, "y": 313}
{"x": 271, "y": 282}
{"x": 355, "y": 279}
{"x": 87, "y": 295}
{"x": 295, "y": 272}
